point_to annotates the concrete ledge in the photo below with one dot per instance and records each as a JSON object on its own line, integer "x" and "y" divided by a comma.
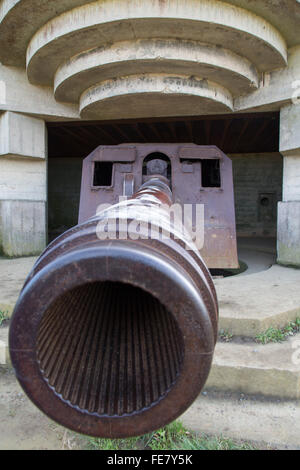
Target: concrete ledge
{"x": 210, "y": 22}
{"x": 154, "y": 56}
{"x": 269, "y": 370}
{"x": 22, "y": 136}
{"x": 284, "y": 17}
{"x": 4, "y": 352}
{"x": 134, "y": 95}
{"x": 252, "y": 303}
{"x": 268, "y": 423}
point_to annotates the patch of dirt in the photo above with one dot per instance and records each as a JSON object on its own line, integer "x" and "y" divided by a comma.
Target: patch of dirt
{"x": 23, "y": 426}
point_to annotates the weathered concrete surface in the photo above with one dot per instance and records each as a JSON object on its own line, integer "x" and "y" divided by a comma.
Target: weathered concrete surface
{"x": 259, "y": 254}
{"x": 252, "y": 303}
{"x": 94, "y": 25}
{"x": 217, "y": 64}
{"x": 237, "y": 43}
{"x": 17, "y": 33}
{"x": 163, "y": 94}
{"x": 271, "y": 424}
{"x": 17, "y": 94}
{"x": 276, "y": 88}
{"x": 271, "y": 370}
{"x": 23, "y": 227}
{"x": 22, "y": 136}
{"x": 23, "y": 185}
{"x": 290, "y": 124}
{"x": 22, "y": 158}
{"x": 291, "y": 175}
{"x": 23, "y": 426}
{"x": 289, "y": 233}
{"x": 234, "y": 36}
{"x": 210, "y": 22}
{"x": 4, "y": 350}
{"x": 13, "y": 273}
{"x": 289, "y": 209}
{"x": 22, "y": 179}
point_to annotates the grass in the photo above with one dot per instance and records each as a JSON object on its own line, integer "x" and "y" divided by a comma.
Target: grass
{"x": 225, "y": 336}
{"x": 172, "y": 437}
{"x": 3, "y": 317}
{"x": 277, "y": 335}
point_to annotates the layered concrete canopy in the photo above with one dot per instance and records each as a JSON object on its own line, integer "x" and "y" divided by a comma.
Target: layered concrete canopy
{"x": 121, "y": 59}
{"x": 198, "y": 56}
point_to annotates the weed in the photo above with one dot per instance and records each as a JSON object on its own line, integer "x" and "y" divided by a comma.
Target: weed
{"x": 277, "y": 335}
{"x": 3, "y": 317}
{"x": 172, "y": 437}
{"x": 225, "y": 336}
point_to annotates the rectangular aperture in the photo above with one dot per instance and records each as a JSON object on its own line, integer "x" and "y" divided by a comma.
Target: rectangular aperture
{"x": 103, "y": 172}
{"x": 211, "y": 173}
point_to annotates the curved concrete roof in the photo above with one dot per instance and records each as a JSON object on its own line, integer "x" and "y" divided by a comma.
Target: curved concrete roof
{"x": 108, "y": 21}
{"x": 153, "y": 56}
{"x": 80, "y": 45}
{"x": 155, "y": 95}
{"x": 20, "y": 19}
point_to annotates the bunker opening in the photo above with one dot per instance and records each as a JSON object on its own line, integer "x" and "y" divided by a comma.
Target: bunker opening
{"x": 157, "y": 163}
{"x": 250, "y": 140}
{"x": 103, "y": 174}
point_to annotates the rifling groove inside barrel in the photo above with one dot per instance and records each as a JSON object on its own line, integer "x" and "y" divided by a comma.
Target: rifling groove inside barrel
{"x": 109, "y": 348}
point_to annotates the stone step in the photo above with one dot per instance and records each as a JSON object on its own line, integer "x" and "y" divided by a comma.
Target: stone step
{"x": 271, "y": 370}
{"x": 267, "y": 424}
{"x": 250, "y": 304}
{"x": 4, "y": 353}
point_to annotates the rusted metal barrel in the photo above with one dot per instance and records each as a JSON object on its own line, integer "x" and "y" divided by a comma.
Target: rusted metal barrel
{"x": 115, "y": 338}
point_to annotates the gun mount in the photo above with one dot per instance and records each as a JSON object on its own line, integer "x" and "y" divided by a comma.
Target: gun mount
{"x": 114, "y": 336}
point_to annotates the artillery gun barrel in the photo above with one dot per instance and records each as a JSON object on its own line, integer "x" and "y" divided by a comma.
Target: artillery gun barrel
{"x": 115, "y": 338}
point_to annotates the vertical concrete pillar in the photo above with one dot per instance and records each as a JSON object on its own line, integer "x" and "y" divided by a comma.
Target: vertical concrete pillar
{"x": 23, "y": 185}
{"x": 289, "y": 208}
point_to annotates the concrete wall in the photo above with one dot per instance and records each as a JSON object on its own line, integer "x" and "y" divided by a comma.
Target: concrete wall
{"x": 23, "y": 183}
{"x": 64, "y": 183}
{"x": 18, "y": 95}
{"x": 22, "y": 224}
{"x": 289, "y": 209}
{"x": 289, "y": 233}
{"x": 258, "y": 188}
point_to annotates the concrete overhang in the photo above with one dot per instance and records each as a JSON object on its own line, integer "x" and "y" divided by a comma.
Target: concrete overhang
{"x": 21, "y": 19}
{"x": 79, "y": 46}
{"x": 146, "y": 56}
{"x": 155, "y": 95}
